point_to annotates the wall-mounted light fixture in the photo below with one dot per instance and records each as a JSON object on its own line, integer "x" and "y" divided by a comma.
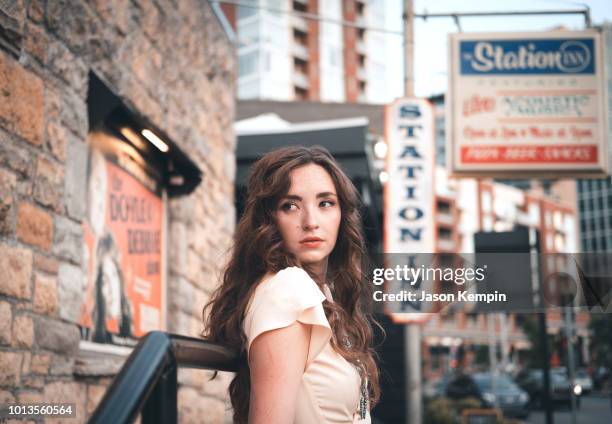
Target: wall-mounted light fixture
{"x": 155, "y": 140}
{"x": 159, "y": 154}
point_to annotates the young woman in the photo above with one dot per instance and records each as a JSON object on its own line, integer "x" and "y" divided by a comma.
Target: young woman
{"x": 292, "y": 295}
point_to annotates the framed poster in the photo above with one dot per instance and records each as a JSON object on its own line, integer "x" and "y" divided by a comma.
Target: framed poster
{"x": 124, "y": 246}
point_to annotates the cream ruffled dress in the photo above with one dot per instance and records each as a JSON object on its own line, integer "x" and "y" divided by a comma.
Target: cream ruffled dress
{"x": 330, "y": 388}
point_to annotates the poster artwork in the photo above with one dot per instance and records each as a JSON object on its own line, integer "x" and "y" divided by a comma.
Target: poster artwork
{"x": 123, "y": 256}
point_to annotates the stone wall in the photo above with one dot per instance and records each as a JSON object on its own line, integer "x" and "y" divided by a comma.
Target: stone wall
{"x": 169, "y": 60}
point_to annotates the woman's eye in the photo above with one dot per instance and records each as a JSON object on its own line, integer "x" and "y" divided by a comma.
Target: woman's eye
{"x": 327, "y": 203}
{"x": 288, "y": 206}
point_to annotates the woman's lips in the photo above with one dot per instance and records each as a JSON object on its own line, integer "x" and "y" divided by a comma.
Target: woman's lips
{"x": 311, "y": 243}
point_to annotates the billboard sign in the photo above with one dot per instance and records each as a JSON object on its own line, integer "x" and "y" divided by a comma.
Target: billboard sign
{"x": 523, "y": 105}
{"x": 409, "y": 194}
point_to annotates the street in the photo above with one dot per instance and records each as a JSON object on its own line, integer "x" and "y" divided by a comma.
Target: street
{"x": 594, "y": 409}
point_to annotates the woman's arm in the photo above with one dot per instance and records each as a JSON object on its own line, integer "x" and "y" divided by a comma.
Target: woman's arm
{"x": 277, "y": 360}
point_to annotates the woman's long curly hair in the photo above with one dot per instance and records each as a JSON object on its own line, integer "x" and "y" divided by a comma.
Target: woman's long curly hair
{"x": 258, "y": 249}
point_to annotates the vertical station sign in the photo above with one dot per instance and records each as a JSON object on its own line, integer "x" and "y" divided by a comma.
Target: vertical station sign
{"x": 409, "y": 195}
{"x": 524, "y": 105}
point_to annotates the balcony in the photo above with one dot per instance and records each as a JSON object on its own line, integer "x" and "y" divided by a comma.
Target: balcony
{"x": 300, "y": 51}
{"x": 361, "y": 47}
{"x": 362, "y": 74}
{"x": 300, "y": 80}
{"x": 445, "y": 219}
{"x": 299, "y": 23}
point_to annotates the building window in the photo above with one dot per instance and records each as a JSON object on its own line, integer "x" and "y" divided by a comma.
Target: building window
{"x": 246, "y": 11}
{"x": 247, "y": 64}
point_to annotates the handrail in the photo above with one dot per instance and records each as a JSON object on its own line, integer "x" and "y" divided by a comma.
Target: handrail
{"x": 148, "y": 379}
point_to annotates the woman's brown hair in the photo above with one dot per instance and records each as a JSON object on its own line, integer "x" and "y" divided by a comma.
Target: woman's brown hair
{"x": 258, "y": 249}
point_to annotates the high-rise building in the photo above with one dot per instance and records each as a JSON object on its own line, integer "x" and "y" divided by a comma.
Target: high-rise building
{"x": 285, "y": 55}
{"x": 595, "y": 196}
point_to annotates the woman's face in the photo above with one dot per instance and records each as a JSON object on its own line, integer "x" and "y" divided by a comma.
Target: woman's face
{"x": 308, "y": 217}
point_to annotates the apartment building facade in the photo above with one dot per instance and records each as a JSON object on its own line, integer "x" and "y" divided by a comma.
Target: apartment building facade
{"x": 299, "y": 50}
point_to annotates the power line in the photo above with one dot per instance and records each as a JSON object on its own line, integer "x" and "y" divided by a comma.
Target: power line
{"x": 309, "y": 16}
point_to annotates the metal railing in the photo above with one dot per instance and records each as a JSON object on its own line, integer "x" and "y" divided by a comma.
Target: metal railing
{"x": 147, "y": 382}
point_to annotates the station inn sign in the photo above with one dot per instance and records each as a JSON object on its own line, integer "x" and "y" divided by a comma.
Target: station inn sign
{"x": 525, "y": 105}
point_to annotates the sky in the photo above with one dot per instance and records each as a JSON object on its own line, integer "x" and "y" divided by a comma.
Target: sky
{"x": 430, "y": 37}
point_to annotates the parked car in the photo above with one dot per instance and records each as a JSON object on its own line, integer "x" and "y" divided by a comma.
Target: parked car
{"x": 493, "y": 391}
{"x": 584, "y": 380}
{"x": 435, "y": 388}
{"x": 532, "y": 381}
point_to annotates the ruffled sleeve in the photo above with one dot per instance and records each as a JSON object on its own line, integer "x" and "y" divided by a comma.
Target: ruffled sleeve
{"x": 288, "y": 296}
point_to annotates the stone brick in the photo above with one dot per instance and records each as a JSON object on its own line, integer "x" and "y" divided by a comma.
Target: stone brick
{"x": 36, "y": 11}
{"x": 40, "y": 363}
{"x": 67, "y": 66}
{"x": 143, "y": 101}
{"x": 61, "y": 365}
{"x": 216, "y": 387}
{"x": 115, "y": 12}
{"x": 13, "y": 17}
{"x": 56, "y": 336}
{"x": 34, "y": 226}
{"x": 49, "y": 183}
{"x": 29, "y": 397}
{"x": 23, "y": 331}
{"x": 67, "y": 108}
{"x": 10, "y": 367}
{"x": 16, "y": 266}
{"x": 194, "y": 265}
{"x": 45, "y": 264}
{"x": 16, "y": 158}
{"x": 6, "y": 397}
{"x": 32, "y": 382}
{"x": 6, "y": 319}
{"x": 45, "y": 295}
{"x": 8, "y": 183}
{"x": 57, "y": 140}
{"x": 95, "y": 392}
{"x": 68, "y": 243}
{"x": 36, "y": 43}
{"x": 71, "y": 289}
{"x": 98, "y": 367}
{"x": 76, "y": 175}
{"x": 178, "y": 254}
{"x": 192, "y": 407}
{"x": 27, "y": 362}
{"x": 21, "y": 100}
{"x": 67, "y": 392}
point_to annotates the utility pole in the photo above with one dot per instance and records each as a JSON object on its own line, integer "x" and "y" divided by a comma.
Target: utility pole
{"x": 412, "y": 331}
{"x": 569, "y": 336}
{"x": 408, "y": 48}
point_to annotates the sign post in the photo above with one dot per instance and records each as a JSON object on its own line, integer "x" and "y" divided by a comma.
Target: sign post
{"x": 409, "y": 223}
